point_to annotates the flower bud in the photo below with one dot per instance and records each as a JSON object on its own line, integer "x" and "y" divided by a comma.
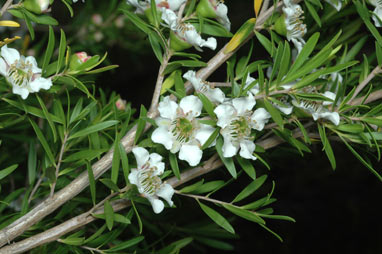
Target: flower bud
{"x": 36, "y": 6}
{"x": 77, "y": 59}
{"x": 120, "y": 104}
{"x": 280, "y": 26}
{"x": 206, "y": 9}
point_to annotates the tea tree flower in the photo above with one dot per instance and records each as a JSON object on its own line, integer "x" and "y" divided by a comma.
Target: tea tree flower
{"x": 146, "y": 178}
{"x": 77, "y": 59}
{"x": 291, "y": 24}
{"x": 179, "y": 130}
{"x": 214, "y": 94}
{"x": 143, "y": 5}
{"x": 22, "y": 72}
{"x": 237, "y": 120}
{"x": 337, "y": 4}
{"x": 377, "y": 17}
{"x": 214, "y": 9}
{"x": 184, "y": 35}
{"x": 36, "y": 6}
{"x": 318, "y": 109}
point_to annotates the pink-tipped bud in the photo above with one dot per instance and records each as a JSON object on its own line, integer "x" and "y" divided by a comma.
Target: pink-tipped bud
{"x": 77, "y": 59}
{"x": 120, "y": 104}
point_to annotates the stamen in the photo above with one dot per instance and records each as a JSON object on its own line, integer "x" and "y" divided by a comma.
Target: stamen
{"x": 182, "y": 129}
{"x": 240, "y": 128}
{"x": 20, "y": 73}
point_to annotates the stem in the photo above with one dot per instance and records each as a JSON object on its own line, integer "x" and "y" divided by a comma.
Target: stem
{"x": 59, "y": 163}
{"x": 366, "y": 81}
{"x": 5, "y": 7}
{"x": 372, "y": 97}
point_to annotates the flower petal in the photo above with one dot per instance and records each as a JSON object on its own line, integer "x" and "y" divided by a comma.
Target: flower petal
{"x": 156, "y": 161}
{"x": 191, "y": 153}
{"x": 175, "y": 4}
{"x": 259, "y": 118}
{"x": 222, "y": 17}
{"x": 156, "y": 203}
{"x": 246, "y": 149}
{"x": 215, "y": 95}
{"x": 224, "y": 112}
{"x": 3, "y": 67}
{"x": 23, "y": 92}
{"x": 167, "y": 108}
{"x": 229, "y": 149}
{"x": 244, "y": 104}
{"x": 33, "y": 61}
{"x": 40, "y": 83}
{"x": 10, "y": 55}
{"x": 141, "y": 155}
{"x": 334, "y": 117}
{"x": 203, "y": 133}
{"x": 133, "y": 176}
{"x": 166, "y": 192}
{"x": 162, "y": 136}
{"x": 191, "y": 105}
{"x": 194, "y": 38}
{"x": 170, "y": 18}
{"x": 195, "y": 81}
{"x": 329, "y": 95}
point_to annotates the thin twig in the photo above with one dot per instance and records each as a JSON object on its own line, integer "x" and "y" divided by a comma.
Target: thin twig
{"x": 35, "y": 188}
{"x": 366, "y": 81}
{"x": 264, "y": 7}
{"x": 59, "y": 163}
{"x": 5, "y": 7}
{"x": 372, "y": 97}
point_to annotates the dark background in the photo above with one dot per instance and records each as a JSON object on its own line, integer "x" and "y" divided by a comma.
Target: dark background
{"x": 335, "y": 211}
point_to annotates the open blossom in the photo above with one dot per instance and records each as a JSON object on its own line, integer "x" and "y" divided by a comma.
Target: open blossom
{"x": 143, "y": 5}
{"x": 295, "y": 27}
{"x": 214, "y": 94}
{"x": 146, "y": 178}
{"x": 237, "y": 120}
{"x": 377, "y": 12}
{"x": 186, "y": 32}
{"x": 179, "y": 130}
{"x": 337, "y": 4}
{"x": 318, "y": 109}
{"x": 22, "y": 72}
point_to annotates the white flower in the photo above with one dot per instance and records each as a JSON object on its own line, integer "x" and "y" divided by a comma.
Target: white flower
{"x": 170, "y": 4}
{"x": 377, "y": 12}
{"x": 295, "y": 27}
{"x": 337, "y": 4}
{"x": 237, "y": 120}
{"x": 255, "y": 88}
{"x": 146, "y": 178}
{"x": 75, "y": 1}
{"x": 214, "y": 94}
{"x": 179, "y": 129}
{"x": 317, "y": 109}
{"x": 22, "y": 72}
{"x": 186, "y": 32}
{"x": 222, "y": 15}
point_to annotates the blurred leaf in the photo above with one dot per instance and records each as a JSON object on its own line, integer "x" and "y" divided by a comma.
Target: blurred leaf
{"x": 174, "y": 165}
{"x": 126, "y": 244}
{"x": 94, "y": 128}
{"x": 7, "y": 171}
{"x": 109, "y": 215}
{"x": 43, "y": 142}
{"x": 251, "y": 188}
{"x": 248, "y": 215}
{"x": 257, "y": 5}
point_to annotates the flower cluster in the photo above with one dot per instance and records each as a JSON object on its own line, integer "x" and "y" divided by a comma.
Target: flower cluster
{"x": 377, "y": 17}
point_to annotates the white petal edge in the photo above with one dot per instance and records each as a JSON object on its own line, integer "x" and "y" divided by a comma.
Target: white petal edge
{"x": 203, "y": 133}
{"x": 141, "y": 156}
{"x": 167, "y": 108}
{"x": 166, "y": 192}
{"x": 156, "y": 203}
{"x": 190, "y": 153}
{"x": 246, "y": 149}
{"x": 191, "y": 105}
{"x": 224, "y": 112}
{"x": 229, "y": 149}
{"x": 162, "y": 136}
{"x": 244, "y": 104}
{"x": 10, "y": 55}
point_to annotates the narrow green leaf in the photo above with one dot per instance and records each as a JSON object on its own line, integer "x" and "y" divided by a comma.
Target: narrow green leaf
{"x": 141, "y": 124}
{"x": 247, "y": 166}
{"x": 192, "y": 187}
{"x": 43, "y": 142}
{"x": 267, "y": 44}
{"x": 7, "y": 171}
{"x": 217, "y": 218}
{"x": 208, "y": 105}
{"x": 32, "y": 163}
{"x": 326, "y": 146}
{"x": 125, "y": 163}
{"x": 29, "y": 26}
{"x": 110, "y": 184}
{"x": 49, "y": 49}
{"x": 211, "y": 139}
{"x": 251, "y": 188}
{"x": 138, "y": 217}
{"x": 248, "y": 215}
{"x": 228, "y": 162}
{"x": 94, "y": 128}
{"x": 277, "y": 217}
{"x": 115, "y": 162}
{"x": 109, "y": 215}
{"x": 275, "y": 113}
{"x": 210, "y": 186}
{"x": 126, "y": 244}
{"x": 61, "y": 51}
{"x": 174, "y": 165}
{"x": 48, "y": 118}
{"x": 313, "y": 12}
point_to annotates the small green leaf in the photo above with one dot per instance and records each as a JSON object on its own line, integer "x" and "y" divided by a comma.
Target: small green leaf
{"x": 251, "y": 188}
{"x": 110, "y": 184}
{"x": 49, "y": 49}
{"x": 208, "y": 105}
{"x": 48, "y": 117}
{"x": 61, "y": 51}
{"x": 211, "y": 139}
{"x": 247, "y": 167}
{"x": 275, "y": 113}
{"x": 94, "y": 128}
{"x": 43, "y": 142}
{"x": 115, "y": 162}
{"x": 7, "y": 171}
{"x": 174, "y": 165}
{"x": 326, "y": 146}
{"x": 109, "y": 215}
{"x": 217, "y": 218}
{"x": 248, "y": 215}
{"x": 141, "y": 124}
{"x": 32, "y": 163}
{"x": 126, "y": 244}
{"x": 192, "y": 187}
